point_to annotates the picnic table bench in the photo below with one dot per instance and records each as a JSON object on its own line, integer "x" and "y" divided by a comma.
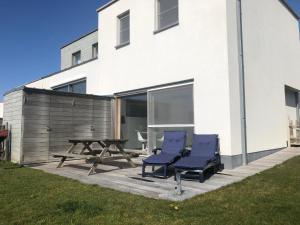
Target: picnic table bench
{"x": 95, "y": 156}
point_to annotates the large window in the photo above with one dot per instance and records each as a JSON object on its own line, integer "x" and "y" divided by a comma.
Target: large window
{"x": 78, "y": 87}
{"x": 76, "y": 58}
{"x": 123, "y": 29}
{"x": 170, "y": 109}
{"x": 167, "y": 13}
{"x": 171, "y": 106}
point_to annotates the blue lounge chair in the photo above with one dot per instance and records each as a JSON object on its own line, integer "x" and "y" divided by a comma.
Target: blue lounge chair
{"x": 172, "y": 149}
{"x": 204, "y": 156}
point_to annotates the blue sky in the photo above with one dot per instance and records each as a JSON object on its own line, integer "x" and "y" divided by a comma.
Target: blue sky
{"x": 32, "y": 32}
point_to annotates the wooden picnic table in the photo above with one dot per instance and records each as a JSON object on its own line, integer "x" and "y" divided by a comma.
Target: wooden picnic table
{"x": 95, "y": 156}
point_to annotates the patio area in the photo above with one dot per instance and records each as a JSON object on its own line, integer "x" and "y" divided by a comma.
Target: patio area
{"x": 120, "y": 176}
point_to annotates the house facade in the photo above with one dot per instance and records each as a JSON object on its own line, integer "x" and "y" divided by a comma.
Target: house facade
{"x": 227, "y": 67}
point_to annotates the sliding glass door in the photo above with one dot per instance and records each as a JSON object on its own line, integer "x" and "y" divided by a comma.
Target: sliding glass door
{"x": 134, "y": 121}
{"x": 170, "y": 108}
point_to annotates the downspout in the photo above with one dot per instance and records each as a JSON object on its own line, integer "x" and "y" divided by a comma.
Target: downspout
{"x": 298, "y": 108}
{"x": 298, "y": 118}
{"x": 242, "y": 83}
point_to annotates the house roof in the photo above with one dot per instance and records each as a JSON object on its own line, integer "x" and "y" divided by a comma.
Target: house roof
{"x": 284, "y": 2}
{"x": 77, "y": 39}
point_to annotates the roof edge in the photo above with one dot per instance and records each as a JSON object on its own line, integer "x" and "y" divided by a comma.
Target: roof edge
{"x": 284, "y": 2}
{"x": 77, "y": 39}
{"x": 51, "y": 92}
{"x": 289, "y": 8}
{"x": 107, "y": 5}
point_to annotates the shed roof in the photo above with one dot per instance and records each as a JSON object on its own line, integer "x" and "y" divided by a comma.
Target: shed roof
{"x": 51, "y": 92}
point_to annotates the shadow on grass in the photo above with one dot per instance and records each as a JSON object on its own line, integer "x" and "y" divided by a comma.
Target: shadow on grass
{"x": 8, "y": 165}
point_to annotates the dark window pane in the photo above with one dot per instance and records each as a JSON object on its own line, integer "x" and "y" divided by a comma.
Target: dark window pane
{"x": 62, "y": 89}
{"x": 167, "y": 13}
{"x": 79, "y": 87}
{"x": 165, "y": 5}
{"x": 124, "y": 26}
{"x": 95, "y": 50}
{"x": 76, "y": 58}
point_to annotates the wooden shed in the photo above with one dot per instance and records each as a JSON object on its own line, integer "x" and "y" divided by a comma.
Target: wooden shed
{"x": 42, "y": 121}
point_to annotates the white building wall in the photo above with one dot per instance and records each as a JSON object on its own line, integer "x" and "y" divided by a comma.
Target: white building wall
{"x": 234, "y": 77}
{"x": 1, "y": 110}
{"x": 272, "y": 54}
{"x": 90, "y": 71}
{"x": 197, "y": 49}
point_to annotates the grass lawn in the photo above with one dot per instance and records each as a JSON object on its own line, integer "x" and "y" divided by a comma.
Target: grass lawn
{"x": 29, "y": 196}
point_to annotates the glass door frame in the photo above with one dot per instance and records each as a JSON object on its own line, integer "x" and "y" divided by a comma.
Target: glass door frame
{"x": 118, "y": 111}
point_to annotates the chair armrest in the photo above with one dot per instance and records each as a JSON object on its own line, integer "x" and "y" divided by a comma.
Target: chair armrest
{"x": 185, "y": 152}
{"x": 218, "y": 156}
{"x": 155, "y": 150}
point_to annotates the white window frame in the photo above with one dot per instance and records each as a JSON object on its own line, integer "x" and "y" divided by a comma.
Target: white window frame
{"x": 157, "y": 27}
{"x": 150, "y": 127}
{"x": 119, "y": 18}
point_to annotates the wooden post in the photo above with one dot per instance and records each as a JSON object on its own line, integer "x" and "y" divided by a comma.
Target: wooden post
{"x": 118, "y": 118}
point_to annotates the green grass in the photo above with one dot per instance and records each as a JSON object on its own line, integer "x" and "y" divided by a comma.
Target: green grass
{"x": 29, "y": 196}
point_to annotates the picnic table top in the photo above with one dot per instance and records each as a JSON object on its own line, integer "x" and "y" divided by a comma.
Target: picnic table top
{"x": 79, "y": 140}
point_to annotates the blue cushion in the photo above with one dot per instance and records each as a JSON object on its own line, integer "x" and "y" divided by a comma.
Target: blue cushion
{"x": 162, "y": 158}
{"x": 193, "y": 163}
{"x": 205, "y": 145}
{"x": 174, "y": 142}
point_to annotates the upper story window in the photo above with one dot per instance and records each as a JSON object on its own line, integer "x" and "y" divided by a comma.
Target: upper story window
{"x": 95, "y": 50}
{"x": 167, "y": 14}
{"x": 78, "y": 87}
{"x": 76, "y": 58}
{"x": 123, "y": 29}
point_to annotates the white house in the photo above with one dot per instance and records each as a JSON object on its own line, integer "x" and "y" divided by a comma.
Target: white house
{"x": 229, "y": 67}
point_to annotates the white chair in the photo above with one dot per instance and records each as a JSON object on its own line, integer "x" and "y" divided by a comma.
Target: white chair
{"x": 142, "y": 140}
{"x": 161, "y": 139}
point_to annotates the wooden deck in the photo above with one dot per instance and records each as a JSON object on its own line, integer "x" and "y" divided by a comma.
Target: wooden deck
{"x": 120, "y": 176}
